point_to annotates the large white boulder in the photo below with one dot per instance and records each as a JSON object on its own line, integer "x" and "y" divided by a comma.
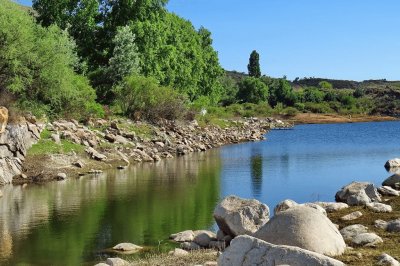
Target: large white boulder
{"x": 379, "y": 207}
{"x": 303, "y": 227}
{"x": 236, "y": 216}
{"x": 351, "y": 231}
{"x": 332, "y": 206}
{"x": 247, "y": 250}
{"x": 358, "y": 193}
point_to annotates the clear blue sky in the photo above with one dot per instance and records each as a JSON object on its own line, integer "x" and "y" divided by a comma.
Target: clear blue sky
{"x": 344, "y": 39}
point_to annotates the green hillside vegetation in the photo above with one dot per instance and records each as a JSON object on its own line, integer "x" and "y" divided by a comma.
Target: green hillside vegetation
{"x": 92, "y": 58}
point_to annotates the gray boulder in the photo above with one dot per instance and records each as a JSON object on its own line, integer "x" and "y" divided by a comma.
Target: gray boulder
{"x": 237, "y": 216}
{"x": 349, "y": 232}
{"x": 127, "y": 247}
{"x": 178, "y": 252}
{"x": 387, "y": 260}
{"x": 185, "y": 236}
{"x": 116, "y": 262}
{"x": 247, "y": 250}
{"x": 393, "y": 163}
{"x": 388, "y": 191}
{"x": 393, "y": 226}
{"x": 381, "y": 224}
{"x": 358, "y": 193}
{"x": 379, "y": 207}
{"x": 332, "y": 206}
{"x": 392, "y": 181}
{"x": 352, "y": 216}
{"x": 284, "y": 205}
{"x": 203, "y": 237}
{"x": 366, "y": 239}
{"x": 303, "y": 227}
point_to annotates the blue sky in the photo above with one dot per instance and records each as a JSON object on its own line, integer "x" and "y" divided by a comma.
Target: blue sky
{"x": 344, "y": 39}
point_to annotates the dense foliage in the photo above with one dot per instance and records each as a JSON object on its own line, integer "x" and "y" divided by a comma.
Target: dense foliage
{"x": 37, "y": 66}
{"x": 254, "y": 65}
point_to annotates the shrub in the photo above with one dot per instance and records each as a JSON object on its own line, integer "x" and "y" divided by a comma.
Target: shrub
{"x": 322, "y": 108}
{"x": 141, "y": 97}
{"x": 252, "y": 90}
{"x": 290, "y": 111}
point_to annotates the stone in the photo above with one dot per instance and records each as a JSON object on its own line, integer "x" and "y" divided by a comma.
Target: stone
{"x": 220, "y": 235}
{"x": 247, "y": 251}
{"x": 127, "y": 247}
{"x": 56, "y": 138}
{"x": 392, "y": 181}
{"x": 393, "y": 226}
{"x": 61, "y": 176}
{"x": 95, "y": 171}
{"x": 352, "y": 216}
{"x": 381, "y": 224}
{"x": 379, "y": 207}
{"x": 393, "y": 163}
{"x": 385, "y": 259}
{"x": 358, "y": 193}
{"x": 317, "y": 207}
{"x": 190, "y": 246}
{"x": 203, "y": 237}
{"x": 101, "y": 264}
{"x": 79, "y": 164}
{"x": 366, "y": 239}
{"x": 305, "y": 228}
{"x": 210, "y": 263}
{"x": 388, "y": 191}
{"x": 178, "y": 252}
{"x": 116, "y": 262}
{"x": 237, "y": 216}
{"x": 95, "y": 154}
{"x": 3, "y": 119}
{"x": 332, "y": 206}
{"x": 184, "y": 236}
{"x": 349, "y": 232}
{"x": 284, "y": 205}
{"x": 111, "y": 138}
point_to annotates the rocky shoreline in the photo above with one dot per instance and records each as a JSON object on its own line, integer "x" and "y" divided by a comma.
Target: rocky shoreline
{"x": 103, "y": 144}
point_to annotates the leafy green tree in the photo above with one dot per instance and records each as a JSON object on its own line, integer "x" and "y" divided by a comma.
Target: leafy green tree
{"x": 325, "y": 85}
{"x": 254, "y": 65}
{"x": 125, "y": 60}
{"x": 358, "y": 93}
{"x": 230, "y": 90}
{"x": 252, "y": 90}
{"x": 281, "y": 92}
{"x": 313, "y": 95}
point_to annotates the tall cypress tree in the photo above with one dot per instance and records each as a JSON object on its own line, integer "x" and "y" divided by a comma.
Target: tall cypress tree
{"x": 254, "y": 65}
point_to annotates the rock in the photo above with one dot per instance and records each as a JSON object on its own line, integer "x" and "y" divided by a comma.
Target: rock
{"x": 332, "y": 206}
{"x": 284, "y": 205}
{"x": 358, "y": 193}
{"x": 3, "y": 119}
{"x": 393, "y": 226}
{"x": 61, "y": 176}
{"x": 79, "y": 164}
{"x": 392, "y": 181}
{"x": 385, "y": 259}
{"x": 210, "y": 263}
{"x": 379, "y": 207}
{"x": 101, "y": 264}
{"x": 393, "y": 163}
{"x": 111, "y": 138}
{"x": 288, "y": 203}
{"x": 381, "y": 224}
{"x": 178, "y": 252}
{"x": 220, "y": 235}
{"x": 160, "y": 144}
{"x": 127, "y": 247}
{"x": 95, "y": 171}
{"x": 351, "y": 231}
{"x": 190, "y": 246}
{"x": 388, "y": 191}
{"x": 116, "y": 262}
{"x": 303, "y": 227}
{"x": 95, "y": 154}
{"x": 56, "y": 138}
{"x": 366, "y": 239}
{"x": 203, "y": 237}
{"x": 247, "y": 251}
{"x": 143, "y": 155}
{"x": 352, "y": 216}
{"x": 185, "y": 236}
{"x": 237, "y": 216}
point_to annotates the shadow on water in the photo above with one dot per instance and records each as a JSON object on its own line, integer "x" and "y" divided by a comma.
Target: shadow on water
{"x": 69, "y": 222}
{"x": 256, "y": 172}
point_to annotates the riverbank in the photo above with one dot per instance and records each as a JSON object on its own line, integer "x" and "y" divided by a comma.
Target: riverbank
{"x": 311, "y": 118}
{"x": 69, "y": 149}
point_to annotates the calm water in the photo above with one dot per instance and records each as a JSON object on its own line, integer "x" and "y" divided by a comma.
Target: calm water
{"x": 72, "y": 222}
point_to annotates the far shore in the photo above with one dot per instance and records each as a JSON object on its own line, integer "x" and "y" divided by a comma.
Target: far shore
{"x": 311, "y": 118}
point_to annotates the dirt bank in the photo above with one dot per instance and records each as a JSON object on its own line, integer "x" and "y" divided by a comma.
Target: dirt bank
{"x": 336, "y": 118}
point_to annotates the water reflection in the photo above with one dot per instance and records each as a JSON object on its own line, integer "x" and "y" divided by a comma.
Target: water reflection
{"x": 67, "y": 223}
{"x": 256, "y": 164}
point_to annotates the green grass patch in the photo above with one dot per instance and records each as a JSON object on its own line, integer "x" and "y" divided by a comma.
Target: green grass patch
{"x": 47, "y": 146}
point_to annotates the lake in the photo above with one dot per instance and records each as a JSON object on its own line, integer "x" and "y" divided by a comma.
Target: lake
{"x": 72, "y": 222}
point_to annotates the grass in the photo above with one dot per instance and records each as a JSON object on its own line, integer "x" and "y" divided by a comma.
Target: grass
{"x": 194, "y": 258}
{"x": 391, "y": 241}
{"x": 47, "y": 146}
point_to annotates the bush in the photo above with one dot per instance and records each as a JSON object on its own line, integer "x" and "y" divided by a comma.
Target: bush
{"x": 290, "y": 111}
{"x": 142, "y": 98}
{"x": 252, "y": 90}
{"x": 322, "y": 108}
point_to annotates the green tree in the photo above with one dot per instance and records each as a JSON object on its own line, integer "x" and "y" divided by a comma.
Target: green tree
{"x": 252, "y": 90}
{"x": 325, "y": 85}
{"x": 313, "y": 95}
{"x": 230, "y": 90}
{"x": 125, "y": 59}
{"x": 254, "y": 65}
{"x": 281, "y": 92}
